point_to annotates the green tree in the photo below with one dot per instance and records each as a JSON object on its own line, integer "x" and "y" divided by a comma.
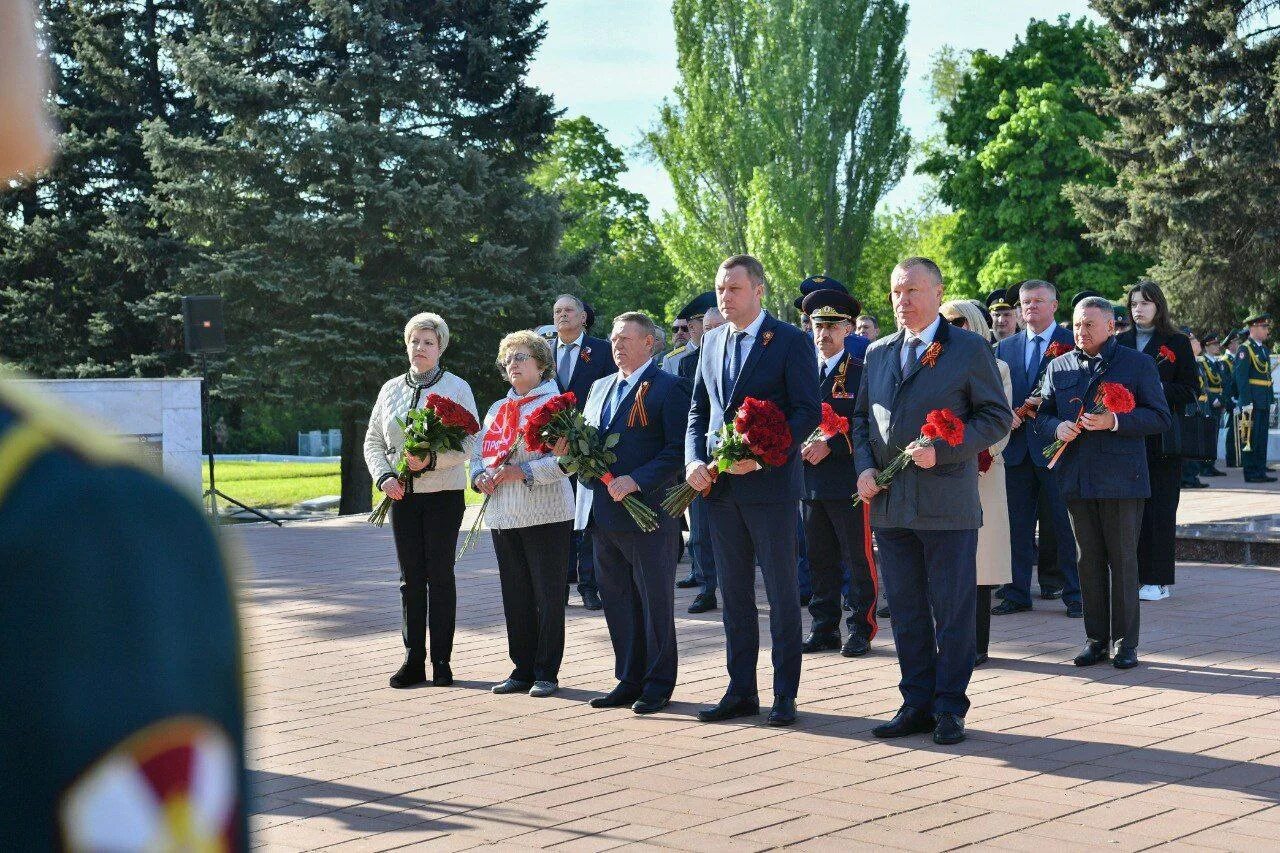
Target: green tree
{"x": 88, "y": 272}
{"x": 1191, "y": 99}
{"x": 609, "y": 241}
{"x": 899, "y": 234}
{"x": 783, "y": 134}
{"x": 371, "y": 162}
{"x": 1012, "y": 141}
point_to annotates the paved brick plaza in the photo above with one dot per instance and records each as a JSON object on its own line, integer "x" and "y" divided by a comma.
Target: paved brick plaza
{"x": 1184, "y": 749}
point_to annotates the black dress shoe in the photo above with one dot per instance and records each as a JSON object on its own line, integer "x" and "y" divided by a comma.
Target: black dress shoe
{"x": 1125, "y": 659}
{"x": 591, "y": 600}
{"x": 1093, "y": 653}
{"x": 441, "y": 674}
{"x": 1213, "y": 472}
{"x": 618, "y": 697}
{"x": 704, "y": 602}
{"x": 411, "y": 673}
{"x": 650, "y": 704}
{"x": 980, "y": 658}
{"x": 1008, "y": 606}
{"x": 821, "y": 643}
{"x": 805, "y": 599}
{"x": 1195, "y": 485}
{"x": 908, "y": 721}
{"x": 1075, "y": 610}
{"x": 1050, "y": 593}
{"x": 883, "y": 612}
{"x": 1259, "y": 479}
{"x": 855, "y": 647}
{"x": 784, "y": 711}
{"x": 730, "y": 707}
{"x": 950, "y": 729}
{"x": 687, "y": 583}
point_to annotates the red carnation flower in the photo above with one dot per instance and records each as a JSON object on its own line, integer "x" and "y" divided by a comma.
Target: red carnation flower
{"x": 1057, "y": 348}
{"x": 984, "y": 461}
{"x": 950, "y": 428}
{"x": 1116, "y": 398}
{"x": 1168, "y": 355}
{"x": 833, "y": 423}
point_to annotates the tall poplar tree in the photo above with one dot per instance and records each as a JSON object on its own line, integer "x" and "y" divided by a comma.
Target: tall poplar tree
{"x": 783, "y": 133}
{"x": 88, "y": 272}
{"x": 1192, "y": 91}
{"x": 371, "y": 162}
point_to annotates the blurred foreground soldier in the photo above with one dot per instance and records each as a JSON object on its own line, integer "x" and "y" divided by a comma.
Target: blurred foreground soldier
{"x": 868, "y": 327}
{"x": 124, "y": 720}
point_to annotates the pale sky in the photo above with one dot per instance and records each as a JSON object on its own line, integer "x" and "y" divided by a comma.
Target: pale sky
{"x": 614, "y": 60}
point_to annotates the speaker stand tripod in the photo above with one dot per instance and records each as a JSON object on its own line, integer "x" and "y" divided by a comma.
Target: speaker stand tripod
{"x": 213, "y": 493}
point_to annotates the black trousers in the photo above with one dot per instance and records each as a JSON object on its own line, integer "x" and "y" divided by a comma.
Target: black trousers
{"x": 1159, "y": 520}
{"x": 1254, "y": 460}
{"x": 1107, "y": 533}
{"x": 533, "y": 567}
{"x": 984, "y": 618}
{"x": 838, "y": 532}
{"x": 425, "y": 528}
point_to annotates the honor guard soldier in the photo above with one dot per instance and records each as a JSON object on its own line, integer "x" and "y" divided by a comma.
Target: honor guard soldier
{"x": 1216, "y": 374}
{"x": 838, "y": 533}
{"x": 1230, "y": 346}
{"x": 1255, "y": 394}
{"x": 119, "y": 650}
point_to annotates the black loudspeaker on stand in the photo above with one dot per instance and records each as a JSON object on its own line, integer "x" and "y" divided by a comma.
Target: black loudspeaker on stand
{"x": 203, "y": 333}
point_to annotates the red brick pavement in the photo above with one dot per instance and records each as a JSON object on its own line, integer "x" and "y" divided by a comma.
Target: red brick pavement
{"x": 1184, "y": 750}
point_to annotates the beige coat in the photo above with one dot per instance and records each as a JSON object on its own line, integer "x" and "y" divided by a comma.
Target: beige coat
{"x": 994, "y": 555}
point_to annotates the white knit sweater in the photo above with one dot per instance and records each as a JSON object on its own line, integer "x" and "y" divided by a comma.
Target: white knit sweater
{"x": 546, "y": 496}
{"x": 384, "y": 439}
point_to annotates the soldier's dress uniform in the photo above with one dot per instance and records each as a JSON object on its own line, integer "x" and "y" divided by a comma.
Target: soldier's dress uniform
{"x": 1215, "y": 372}
{"x": 123, "y": 721}
{"x": 1253, "y": 386}
{"x": 1232, "y": 393}
{"x": 838, "y": 533}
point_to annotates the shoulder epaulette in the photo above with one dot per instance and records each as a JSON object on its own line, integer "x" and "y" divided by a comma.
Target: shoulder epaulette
{"x": 37, "y": 415}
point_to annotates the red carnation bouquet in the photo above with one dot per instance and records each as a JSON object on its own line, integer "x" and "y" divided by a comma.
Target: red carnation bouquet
{"x": 440, "y": 425}
{"x": 939, "y": 425}
{"x": 1167, "y": 354}
{"x": 831, "y": 425}
{"x": 1112, "y": 397}
{"x": 759, "y": 432}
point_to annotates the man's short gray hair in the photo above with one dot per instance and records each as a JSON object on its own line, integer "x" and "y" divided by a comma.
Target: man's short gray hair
{"x": 644, "y": 321}
{"x": 582, "y": 306}
{"x": 1096, "y": 302}
{"x": 430, "y": 322}
{"x": 1038, "y": 284}
{"x": 925, "y": 264}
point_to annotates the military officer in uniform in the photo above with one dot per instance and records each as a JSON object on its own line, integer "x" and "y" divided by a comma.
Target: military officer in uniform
{"x": 1230, "y": 346}
{"x": 838, "y": 533}
{"x": 1004, "y": 316}
{"x": 1217, "y": 399}
{"x": 1256, "y": 394}
{"x": 691, "y": 317}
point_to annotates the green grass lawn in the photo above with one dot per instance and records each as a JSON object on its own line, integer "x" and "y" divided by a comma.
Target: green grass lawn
{"x": 283, "y": 484}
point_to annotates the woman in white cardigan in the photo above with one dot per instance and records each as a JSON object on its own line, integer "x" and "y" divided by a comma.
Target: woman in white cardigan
{"x": 530, "y": 516}
{"x": 995, "y": 565}
{"x": 425, "y": 516}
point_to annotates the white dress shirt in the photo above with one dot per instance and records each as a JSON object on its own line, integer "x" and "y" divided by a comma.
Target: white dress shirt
{"x": 925, "y": 337}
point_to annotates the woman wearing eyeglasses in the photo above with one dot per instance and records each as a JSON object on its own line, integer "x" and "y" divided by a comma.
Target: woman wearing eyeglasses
{"x": 530, "y": 516}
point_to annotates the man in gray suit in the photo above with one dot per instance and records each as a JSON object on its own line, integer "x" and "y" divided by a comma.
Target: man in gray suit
{"x": 926, "y": 521}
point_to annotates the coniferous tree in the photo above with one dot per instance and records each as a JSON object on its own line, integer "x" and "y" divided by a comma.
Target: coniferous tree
{"x": 88, "y": 273}
{"x": 1192, "y": 91}
{"x": 371, "y": 162}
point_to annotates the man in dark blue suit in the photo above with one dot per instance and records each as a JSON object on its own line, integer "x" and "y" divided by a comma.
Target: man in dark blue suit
{"x": 1028, "y": 354}
{"x": 580, "y": 360}
{"x": 926, "y": 521}
{"x": 753, "y": 355}
{"x": 1102, "y": 473}
{"x": 837, "y": 532}
{"x": 648, "y": 409}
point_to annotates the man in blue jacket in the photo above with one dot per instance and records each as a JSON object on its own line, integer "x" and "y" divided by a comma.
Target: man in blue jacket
{"x": 753, "y": 355}
{"x": 1028, "y": 354}
{"x": 646, "y": 408}
{"x": 1102, "y": 473}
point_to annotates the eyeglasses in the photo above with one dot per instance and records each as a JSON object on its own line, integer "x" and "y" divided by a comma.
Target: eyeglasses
{"x": 517, "y": 357}
{"x": 956, "y": 321}
{"x": 679, "y": 327}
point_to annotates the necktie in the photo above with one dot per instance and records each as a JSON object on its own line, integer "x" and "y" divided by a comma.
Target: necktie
{"x": 733, "y": 364}
{"x": 1033, "y": 364}
{"x": 612, "y": 403}
{"x": 565, "y": 371}
{"x": 822, "y": 373}
{"x": 913, "y": 352}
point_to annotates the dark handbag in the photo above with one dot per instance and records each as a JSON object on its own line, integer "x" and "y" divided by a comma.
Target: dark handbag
{"x": 1194, "y": 435}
